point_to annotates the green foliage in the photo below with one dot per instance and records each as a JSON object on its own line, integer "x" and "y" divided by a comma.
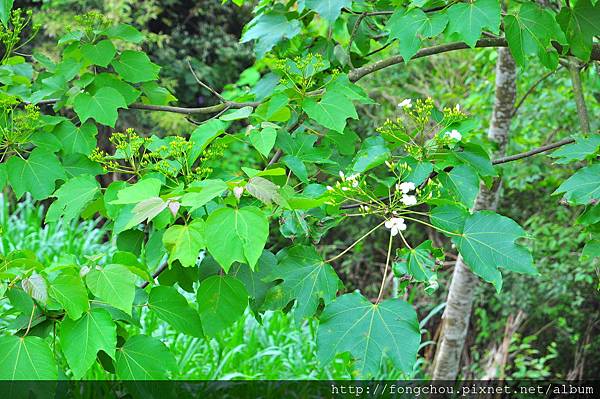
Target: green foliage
{"x": 202, "y": 208}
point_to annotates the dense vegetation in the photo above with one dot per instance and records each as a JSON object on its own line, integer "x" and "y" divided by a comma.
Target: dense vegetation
{"x": 299, "y": 190}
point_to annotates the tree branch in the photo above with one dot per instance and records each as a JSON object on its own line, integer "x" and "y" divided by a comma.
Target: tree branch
{"x": 532, "y": 89}
{"x": 358, "y": 73}
{"x": 582, "y": 112}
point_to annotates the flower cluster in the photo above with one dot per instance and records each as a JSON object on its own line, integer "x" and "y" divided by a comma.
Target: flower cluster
{"x": 453, "y": 135}
{"x": 395, "y": 225}
{"x": 405, "y": 188}
{"x": 346, "y": 183}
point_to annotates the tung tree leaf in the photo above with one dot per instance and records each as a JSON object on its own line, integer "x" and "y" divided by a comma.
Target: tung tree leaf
{"x": 102, "y": 106}
{"x": 462, "y": 183}
{"x": 583, "y": 186}
{"x": 580, "y": 24}
{"x": 408, "y": 26}
{"x": 202, "y": 193}
{"x": 113, "y": 284}
{"x": 221, "y": 301}
{"x": 36, "y": 175}
{"x": 26, "y": 358}
{"x": 467, "y": 20}
{"x": 373, "y": 152}
{"x": 328, "y": 9}
{"x": 101, "y": 53}
{"x": 184, "y": 242}
{"x": 369, "y": 332}
{"x": 487, "y": 243}
{"x": 5, "y": 7}
{"x": 173, "y": 308}
{"x": 331, "y": 111}
{"x": 142, "y": 190}
{"x": 306, "y": 279}
{"x": 264, "y": 190}
{"x": 530, "y": 31}
{"x": 72, "y": 198}
{"x": 144, "y": 358}
{"x": 582, "y": 148}
{"x": 236, "y": 235}
{"x": 77, "y": 140}
{"x": 68, "y": 290}
{"x": 82, "y": 339}
{"x": 268, "y": 30}
{"x": 135, "y": 67}
{"x": 263, "y": 140}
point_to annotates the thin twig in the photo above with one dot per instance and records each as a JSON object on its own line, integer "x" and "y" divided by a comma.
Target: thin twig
{"x": 292, "y": 129}
{"x": 582, "y": 112}
{"x": 387, "y": 265}
{"x": 207, "y": 87}
{"x": 368, "y": 233}
{"x": 354, "y": 30}
{"x": 157, "y": 273}
{"x": 532, "y": 89}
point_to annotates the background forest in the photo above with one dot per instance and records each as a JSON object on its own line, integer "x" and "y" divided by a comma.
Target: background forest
{"x": 544, "y": 326}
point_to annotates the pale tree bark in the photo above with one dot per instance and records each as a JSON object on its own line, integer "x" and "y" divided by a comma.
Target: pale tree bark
{"x": 455, "y": 320}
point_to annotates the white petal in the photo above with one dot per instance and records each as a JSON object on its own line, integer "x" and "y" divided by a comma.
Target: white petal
{"x": 394, "y": 231}
{"x": 389, "y": 224}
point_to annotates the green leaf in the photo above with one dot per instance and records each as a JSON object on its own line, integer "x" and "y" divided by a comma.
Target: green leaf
{"x": 136, "y": 193}
{"x": 136, "y": 67}
{"x": 68, "y": 290}
{"x": 583, "y": 186}
{"x": 113, "y": 284}
{"x": 221, "y": 301}
{"x": 5, "y": 7}
{"x": 373, "y": 152}
{"x": 467, "y": 20}
{"x": 331, "y": 111}
{"x": 478, "y": 158}
{"x": 173, "y": 308}
{"x": 236, "y": 235}
{"x": 77, "y": 140}
{"x": 582, "y": 148}
{"x": 203, "y": 135}
{"x": 184, "y": 242}
{"x": 487, "y": 243}
{"x": 263, "y": 140}
{"x": 408, "y": 26}
{"x": 580, "y": 25}
{"x": 203, "y": 192}
{"x": 129, "y": 93}
{"x": 370, "y": 333}
{"x": 268, "y": 30}
{"x": 296, "y": 165}
{"x": 124, "y": 32}
{"x": 420, "y": 261}
{"x": 306, "y": 279}
{"x": 101, "y": 53}
{"x": 530, "y": 32}
{"x": 591, "y": 250}
{"x": 237, "y": 114}
{"x": 461, "y": 183}
{"x": 144, "y": 358}
{"x": 264, "y": 190}
{"x": 82, "y": 339}
{"x": 26, "y": 358}
{"x": 102, "y": 106}
{"x": 449, "y": 217}
{"x": 36, "y": 175}
{"x": 72, "y": 198}
{"x": 328, "y": 9}
{"x": 257, "y": 281}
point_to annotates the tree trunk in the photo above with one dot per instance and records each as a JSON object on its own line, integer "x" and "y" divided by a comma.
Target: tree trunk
{"x": 455, "y": 320}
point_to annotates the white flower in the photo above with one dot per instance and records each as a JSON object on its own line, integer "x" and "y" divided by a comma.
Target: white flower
{"x": 454, "y": 135}
{"x": 329, "y": 188}
{"x": 395, "y": 225}
{"x": 353, "y": 179}
{"x": 409, "y": 200}
{"x": 342, "y": 176}
{"x": 345, "y": 189}
{"x": 406, "y": 187}
{"x": 405, "y": 103}
{"x": 238, "y": 191}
